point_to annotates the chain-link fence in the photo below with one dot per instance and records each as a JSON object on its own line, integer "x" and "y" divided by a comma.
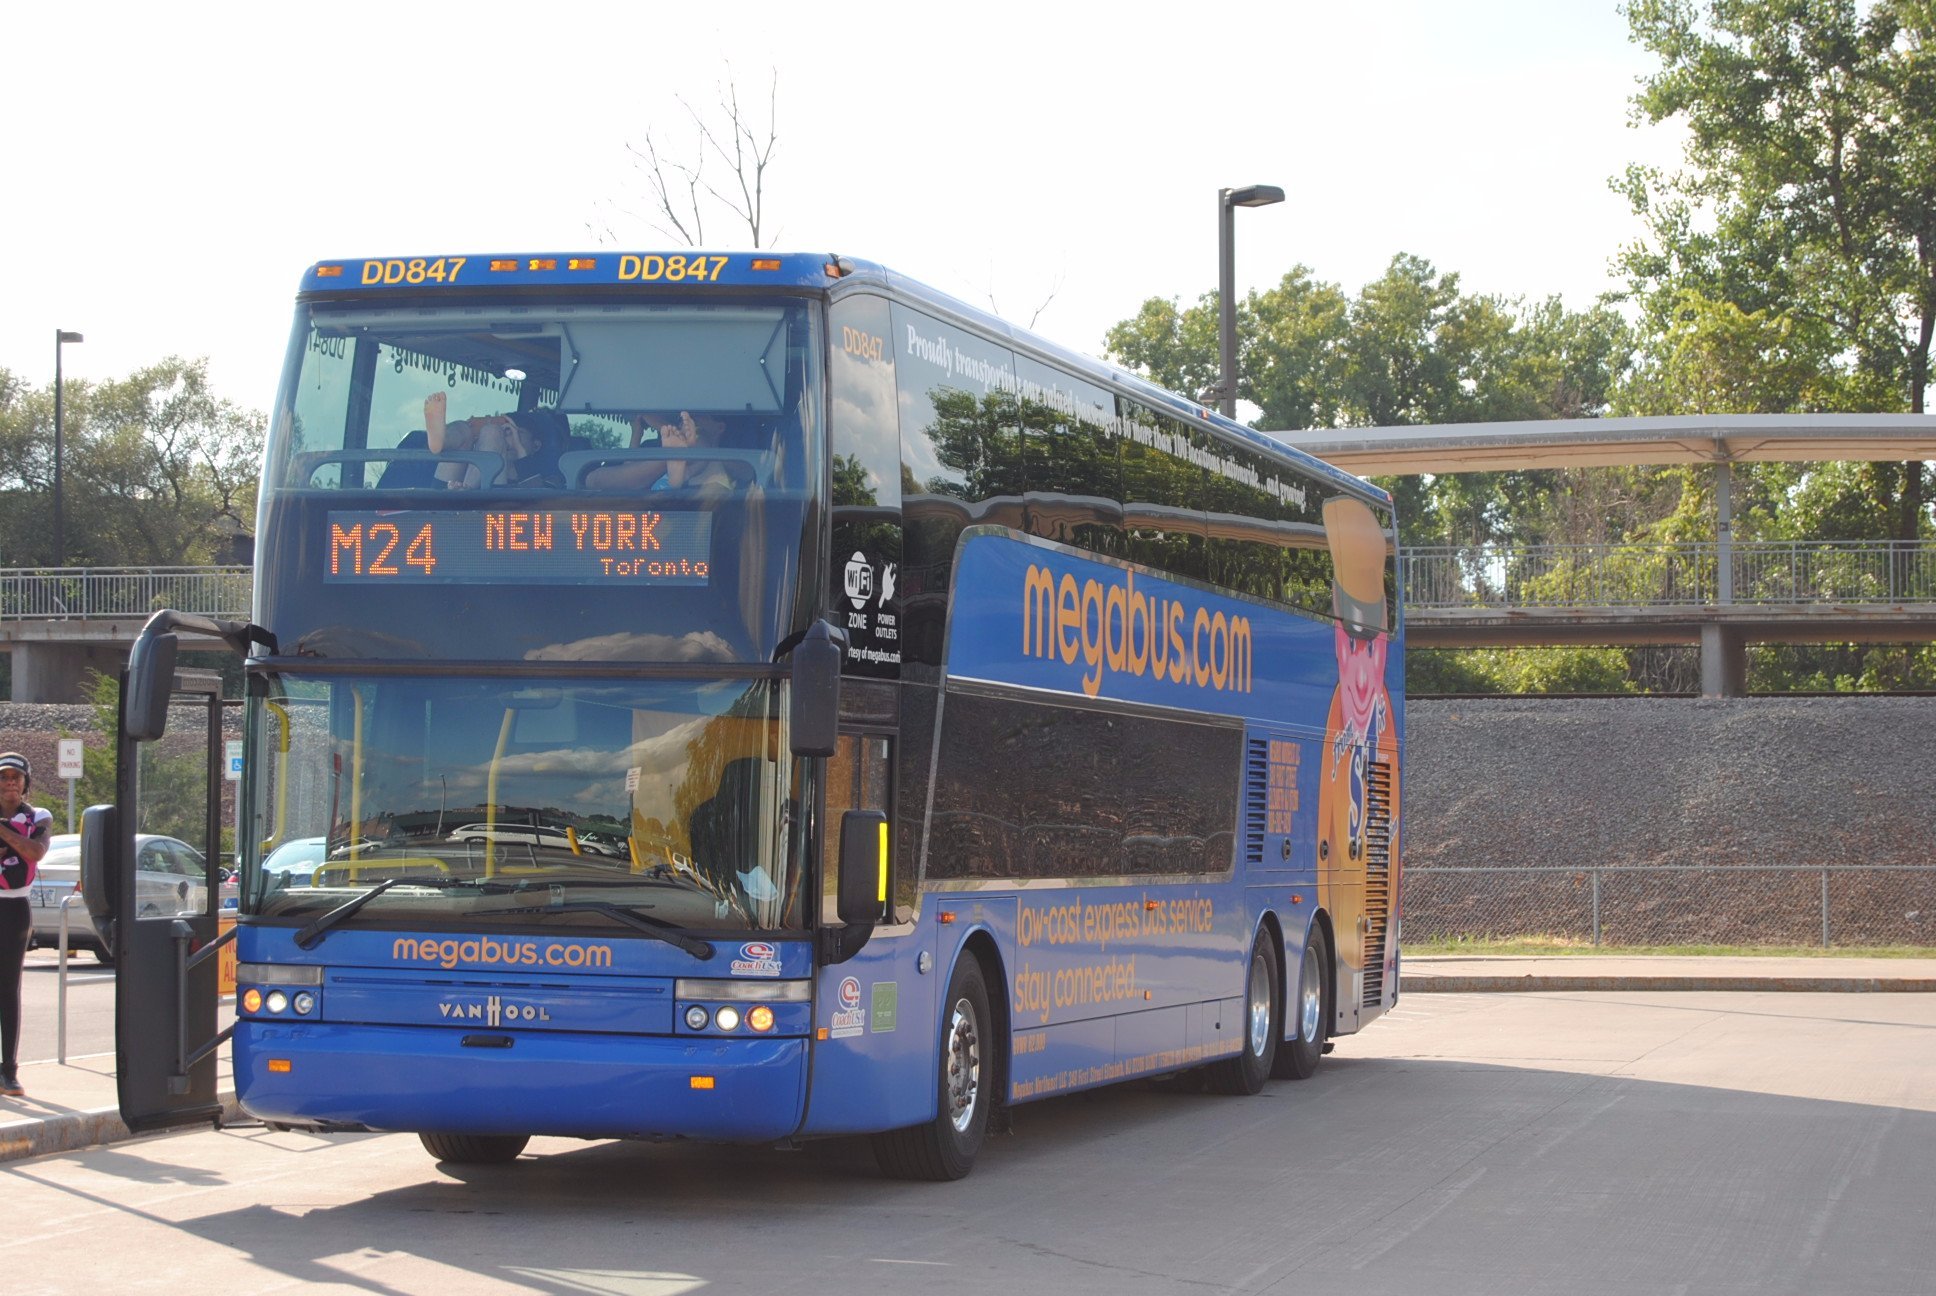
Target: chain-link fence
{"x": 1832, "y": 905}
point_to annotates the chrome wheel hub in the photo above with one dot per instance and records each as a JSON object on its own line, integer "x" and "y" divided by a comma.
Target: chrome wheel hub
{"x": 962, "y": 1056}
{"x": 1260, "y": 1005}
{"x": 1310, "y": 993}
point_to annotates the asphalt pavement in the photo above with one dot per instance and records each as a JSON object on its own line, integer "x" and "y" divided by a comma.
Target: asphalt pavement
{"x": 74, "y": 1105}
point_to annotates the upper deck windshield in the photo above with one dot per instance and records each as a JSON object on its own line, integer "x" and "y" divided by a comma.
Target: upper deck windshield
{"x": 638, "y": 477}
{"x": 497, "y": 803}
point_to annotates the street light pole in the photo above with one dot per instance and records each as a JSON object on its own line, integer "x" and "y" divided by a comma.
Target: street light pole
{"x": 1228, "y": 200}
{"x": 61, "y": 336}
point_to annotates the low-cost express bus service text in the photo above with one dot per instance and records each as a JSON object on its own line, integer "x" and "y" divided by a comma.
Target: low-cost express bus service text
{"x": 1039, "y": 992}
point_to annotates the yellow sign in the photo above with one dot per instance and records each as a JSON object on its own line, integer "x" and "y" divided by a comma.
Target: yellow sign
{"x": 225, "y": 959}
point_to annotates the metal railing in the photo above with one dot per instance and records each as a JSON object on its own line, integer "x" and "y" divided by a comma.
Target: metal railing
{"x": 83, "y": 593}
{"x": 1766, "y": 572}
{"x": 1651, "y": 904}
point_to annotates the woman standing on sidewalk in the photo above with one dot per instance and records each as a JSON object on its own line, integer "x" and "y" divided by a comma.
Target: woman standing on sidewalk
{"x": 24, "y": 830}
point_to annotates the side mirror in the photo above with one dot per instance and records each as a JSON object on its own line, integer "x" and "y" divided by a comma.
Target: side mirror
{"x": 151, "y": 679}
{"x": 100, "y": 834}
{"x": 862, "y": 897}
{"x": 816, "y": 690}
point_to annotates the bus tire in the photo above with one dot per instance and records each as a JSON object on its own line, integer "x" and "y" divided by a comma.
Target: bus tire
{"x": 945, "y": 1147}
{"x": 1261, "y": 1025}
{"x": 475, "y": 1149}
{"x": 1297, "y": 1057}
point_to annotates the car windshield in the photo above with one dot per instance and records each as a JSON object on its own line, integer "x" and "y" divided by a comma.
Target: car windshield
{"x": 291, "y": 856}
{"x": 487, "y": 801}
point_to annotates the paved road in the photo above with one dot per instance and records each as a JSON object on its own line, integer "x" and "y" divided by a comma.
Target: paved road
{"x": 1587, "y": 1144}
{"x": 90, "y": 1006}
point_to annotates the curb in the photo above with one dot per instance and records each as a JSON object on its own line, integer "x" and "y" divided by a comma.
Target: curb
{"x": 73, "y": 1131}
{"x": 1458, "y": 984}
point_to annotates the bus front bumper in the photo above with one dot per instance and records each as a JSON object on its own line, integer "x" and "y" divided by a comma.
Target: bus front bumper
{"x": 544, "y": 1083}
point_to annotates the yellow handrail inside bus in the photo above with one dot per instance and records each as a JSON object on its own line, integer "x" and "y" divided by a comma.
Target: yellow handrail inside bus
{"x": 281, "y": 713}
{"x": 356, "y": 776}
{"x": 490, "y": 794}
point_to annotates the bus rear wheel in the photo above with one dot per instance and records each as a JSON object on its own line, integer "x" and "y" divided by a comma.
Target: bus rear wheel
{"x": 1261, "y": 1025}
{"x": 945, "y": 1147}
{"x": 474, "y": 1149}
{"x": 1298, "y": 1058}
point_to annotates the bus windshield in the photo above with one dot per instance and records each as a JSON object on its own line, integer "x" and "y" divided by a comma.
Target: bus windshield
{"x": 487, "y": 802}
{"x": 641, "y": 474}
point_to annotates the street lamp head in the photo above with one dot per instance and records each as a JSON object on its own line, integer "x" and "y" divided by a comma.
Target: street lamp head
{"x": 1254, "y": 196}
{"x": 62, "y": 335}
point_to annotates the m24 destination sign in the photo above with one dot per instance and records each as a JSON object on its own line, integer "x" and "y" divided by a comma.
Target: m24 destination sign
{"x": 518, "y": 547}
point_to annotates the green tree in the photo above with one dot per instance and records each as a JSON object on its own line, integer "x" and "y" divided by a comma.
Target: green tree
{"x": 156, "y": 469}
{"x": 1176, "y": 347}
{"x": 1807, "y": 205}
{"x": 174, "y": 772}
{"x": 1411, "y": 348}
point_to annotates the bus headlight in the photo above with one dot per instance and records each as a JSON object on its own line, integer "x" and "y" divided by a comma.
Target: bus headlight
{"x": 277, "y": 1001}
{"x": 727, "y": 1018}
{"x": 696, "y": 1018}
{"x": 303, "y": 1003}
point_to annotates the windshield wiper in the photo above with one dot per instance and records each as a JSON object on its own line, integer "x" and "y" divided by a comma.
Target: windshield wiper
{"x": 317, "y": 928}
{"x": 657, "y": 928}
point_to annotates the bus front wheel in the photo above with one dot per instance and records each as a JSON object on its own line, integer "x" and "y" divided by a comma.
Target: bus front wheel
{"x": 1260, "y": 1027}
{"x": 474, "y": 1149}
{"x": 1298, "y": 1057}
{"x": 945, "y": 1147}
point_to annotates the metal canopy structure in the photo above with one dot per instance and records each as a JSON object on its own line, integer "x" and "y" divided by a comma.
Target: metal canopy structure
{"x": 1721, "y": 440}
{"x": 1586, "y": 443}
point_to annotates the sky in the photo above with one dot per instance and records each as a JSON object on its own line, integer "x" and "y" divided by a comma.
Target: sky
{"x": 175, "y": 168}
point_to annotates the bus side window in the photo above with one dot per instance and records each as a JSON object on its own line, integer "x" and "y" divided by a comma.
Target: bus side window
{"x": 857, "y": 779}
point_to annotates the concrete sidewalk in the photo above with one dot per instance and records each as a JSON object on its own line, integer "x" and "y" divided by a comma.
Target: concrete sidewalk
{"x": 74, "y": 1106}
{"x": 1463, "y": 972}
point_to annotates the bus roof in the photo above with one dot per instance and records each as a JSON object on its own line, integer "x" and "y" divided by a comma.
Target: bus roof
{"x": 822, "y": 272}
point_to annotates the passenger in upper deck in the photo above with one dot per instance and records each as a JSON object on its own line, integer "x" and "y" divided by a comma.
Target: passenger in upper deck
{"x": 529, "y": 442}
{"x": 686, "y": 431}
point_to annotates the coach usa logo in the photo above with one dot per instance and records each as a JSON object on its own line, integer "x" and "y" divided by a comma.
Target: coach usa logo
{"x": 493, "y": 1012}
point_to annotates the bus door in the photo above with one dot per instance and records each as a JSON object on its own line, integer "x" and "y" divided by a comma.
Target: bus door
{"x": 874, "y": 1011}
{"x": 159, "y": 922}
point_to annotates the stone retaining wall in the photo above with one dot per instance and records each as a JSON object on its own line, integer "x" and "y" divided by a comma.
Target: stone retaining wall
{"x": 1779, "y": 787}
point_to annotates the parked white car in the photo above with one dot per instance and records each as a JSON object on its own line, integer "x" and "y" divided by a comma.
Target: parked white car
{"x": 169, "y": 879}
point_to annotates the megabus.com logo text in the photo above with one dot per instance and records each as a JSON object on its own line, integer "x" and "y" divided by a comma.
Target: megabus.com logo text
{"x": 1116, "y": 627}
{"x": 454, "y": 953}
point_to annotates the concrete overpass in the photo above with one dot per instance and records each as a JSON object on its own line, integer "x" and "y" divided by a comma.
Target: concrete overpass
{"x": 1721, "y": 594}
{"x": 57, "y": 624}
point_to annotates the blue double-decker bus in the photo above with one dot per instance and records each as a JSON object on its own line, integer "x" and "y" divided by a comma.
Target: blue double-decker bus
{"x": 755, "y": 697}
